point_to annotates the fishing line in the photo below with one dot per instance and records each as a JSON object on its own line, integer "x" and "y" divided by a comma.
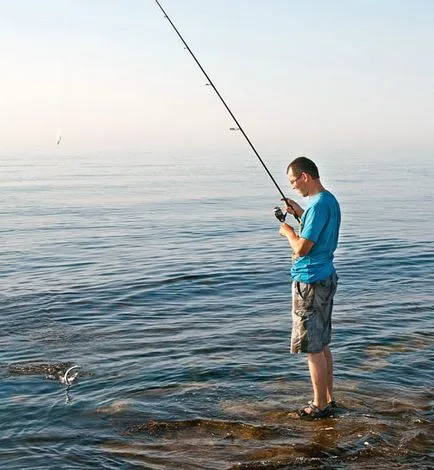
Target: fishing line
{"x": 239, "y": 127}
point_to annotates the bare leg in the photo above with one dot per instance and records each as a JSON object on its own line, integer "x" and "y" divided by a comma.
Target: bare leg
{"x": 329, "y": 359}
{"x": 318, "y": 368}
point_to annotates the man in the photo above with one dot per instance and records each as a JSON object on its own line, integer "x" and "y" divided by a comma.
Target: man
{"x": 314, "y": 280}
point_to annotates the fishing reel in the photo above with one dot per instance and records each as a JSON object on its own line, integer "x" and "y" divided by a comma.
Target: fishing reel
{"x": 279, "y": 214}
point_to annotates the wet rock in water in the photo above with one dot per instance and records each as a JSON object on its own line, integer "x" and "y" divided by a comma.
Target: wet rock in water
{"x": 220, "y": 429}
{"x": 51, "y": 371}
{"x": 116, "y": 407}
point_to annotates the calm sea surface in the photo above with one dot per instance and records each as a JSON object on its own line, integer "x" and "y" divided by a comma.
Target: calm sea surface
{"x": 165, "y": 280}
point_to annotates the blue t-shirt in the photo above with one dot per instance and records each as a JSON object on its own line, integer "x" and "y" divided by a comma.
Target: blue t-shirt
{"x": 319, "y": 223}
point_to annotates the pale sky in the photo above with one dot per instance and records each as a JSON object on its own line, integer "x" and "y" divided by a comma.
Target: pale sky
{"x": 298, "y": 74}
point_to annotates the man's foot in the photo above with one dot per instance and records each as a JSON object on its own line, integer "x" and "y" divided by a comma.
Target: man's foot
{"x": 312, "y": 412}
{"x": 332, "y": 404}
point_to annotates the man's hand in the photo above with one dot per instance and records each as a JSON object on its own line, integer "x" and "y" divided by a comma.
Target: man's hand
{"x": 292, "y": 207}
{"x": 300, "y": 246}
{"x": 286, "y": 230}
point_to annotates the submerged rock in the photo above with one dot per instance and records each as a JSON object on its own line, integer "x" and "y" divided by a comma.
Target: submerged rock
{"x": 64, "y": 372}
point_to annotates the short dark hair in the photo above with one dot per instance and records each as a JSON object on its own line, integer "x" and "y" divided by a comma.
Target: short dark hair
{"x": 304, "y": 164}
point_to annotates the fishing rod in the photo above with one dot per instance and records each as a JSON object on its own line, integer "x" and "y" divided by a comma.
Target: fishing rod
{"x": 278, "y": 214}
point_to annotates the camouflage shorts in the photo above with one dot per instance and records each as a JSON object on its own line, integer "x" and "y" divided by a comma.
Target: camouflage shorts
{"x": 312, "y": 306}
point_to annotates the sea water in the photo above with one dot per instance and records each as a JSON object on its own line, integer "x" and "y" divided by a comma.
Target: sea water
{"x": 165, "y": 279}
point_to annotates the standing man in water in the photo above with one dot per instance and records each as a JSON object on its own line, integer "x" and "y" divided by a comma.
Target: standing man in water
{"x": 314, "y": 280}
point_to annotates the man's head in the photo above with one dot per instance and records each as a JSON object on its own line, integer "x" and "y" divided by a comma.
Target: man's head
{"x": 303, "y": 176}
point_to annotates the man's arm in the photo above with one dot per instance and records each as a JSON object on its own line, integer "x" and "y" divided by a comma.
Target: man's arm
{"x": 300, "y": 246}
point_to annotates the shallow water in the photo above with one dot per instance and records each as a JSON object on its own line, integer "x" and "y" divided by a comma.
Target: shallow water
{"x": 165, "y": 280}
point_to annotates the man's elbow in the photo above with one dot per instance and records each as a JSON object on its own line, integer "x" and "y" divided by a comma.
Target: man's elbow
{"x": 302, "y": 252}
{"x": 304, "y": 249}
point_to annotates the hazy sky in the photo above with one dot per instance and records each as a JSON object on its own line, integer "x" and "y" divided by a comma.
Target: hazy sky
{"x": 300, "y": 75}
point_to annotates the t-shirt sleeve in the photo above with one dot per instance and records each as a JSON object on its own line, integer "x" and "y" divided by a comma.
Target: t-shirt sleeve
{"x": 314, "y": 222}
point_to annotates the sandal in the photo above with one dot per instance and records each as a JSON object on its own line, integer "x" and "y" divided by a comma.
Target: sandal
{"x": 332, "y": 404}
{"x": 315, "y": 412}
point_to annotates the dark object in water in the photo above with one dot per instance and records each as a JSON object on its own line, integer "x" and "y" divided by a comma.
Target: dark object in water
{"x": 52, "y": 371}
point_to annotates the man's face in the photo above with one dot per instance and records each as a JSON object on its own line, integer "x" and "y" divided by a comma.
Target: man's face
{"x": 298, "y": 182}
